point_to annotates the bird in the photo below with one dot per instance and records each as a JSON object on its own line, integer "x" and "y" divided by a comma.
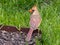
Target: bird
{"x": 35, "y": 21}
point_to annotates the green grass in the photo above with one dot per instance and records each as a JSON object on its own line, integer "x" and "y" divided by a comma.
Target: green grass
{"x": 50, "y": 26}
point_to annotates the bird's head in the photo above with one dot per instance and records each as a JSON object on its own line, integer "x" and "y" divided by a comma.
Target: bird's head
{"x": 34, "y": 8}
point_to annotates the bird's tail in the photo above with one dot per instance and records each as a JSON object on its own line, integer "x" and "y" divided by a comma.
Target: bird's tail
{"x": 29, "y": 35}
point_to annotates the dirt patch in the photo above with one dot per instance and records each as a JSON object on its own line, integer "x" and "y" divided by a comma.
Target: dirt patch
{"x": 10, "y": 35}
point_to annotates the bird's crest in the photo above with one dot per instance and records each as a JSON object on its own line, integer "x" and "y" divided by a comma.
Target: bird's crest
{"x": 33, "y": 9}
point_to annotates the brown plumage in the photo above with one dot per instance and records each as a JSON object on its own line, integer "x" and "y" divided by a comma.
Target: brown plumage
{"x": 35, "y": 21}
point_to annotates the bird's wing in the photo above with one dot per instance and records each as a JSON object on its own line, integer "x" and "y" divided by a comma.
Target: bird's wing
{"x": 34, "y": 22}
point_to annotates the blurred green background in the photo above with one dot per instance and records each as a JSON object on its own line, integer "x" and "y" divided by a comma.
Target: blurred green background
{"x": 15, "y": 13}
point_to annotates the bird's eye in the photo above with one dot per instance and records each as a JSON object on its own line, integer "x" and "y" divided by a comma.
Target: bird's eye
{"x": 33, "y": 10}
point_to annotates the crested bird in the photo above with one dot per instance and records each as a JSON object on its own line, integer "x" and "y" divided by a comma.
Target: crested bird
{"x": 35, "y": 21}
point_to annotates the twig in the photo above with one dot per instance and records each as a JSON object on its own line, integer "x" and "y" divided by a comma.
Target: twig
{"x": 1, "y": 27}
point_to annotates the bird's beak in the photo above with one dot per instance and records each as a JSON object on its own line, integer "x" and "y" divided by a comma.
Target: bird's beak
{"x": 30, "y": 11}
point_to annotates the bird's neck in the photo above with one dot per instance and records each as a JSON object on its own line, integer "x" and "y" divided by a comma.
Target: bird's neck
{"x": 35, "y": 12}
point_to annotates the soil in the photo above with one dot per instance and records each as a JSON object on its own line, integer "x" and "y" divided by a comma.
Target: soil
{"x": 10, "y": 35}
